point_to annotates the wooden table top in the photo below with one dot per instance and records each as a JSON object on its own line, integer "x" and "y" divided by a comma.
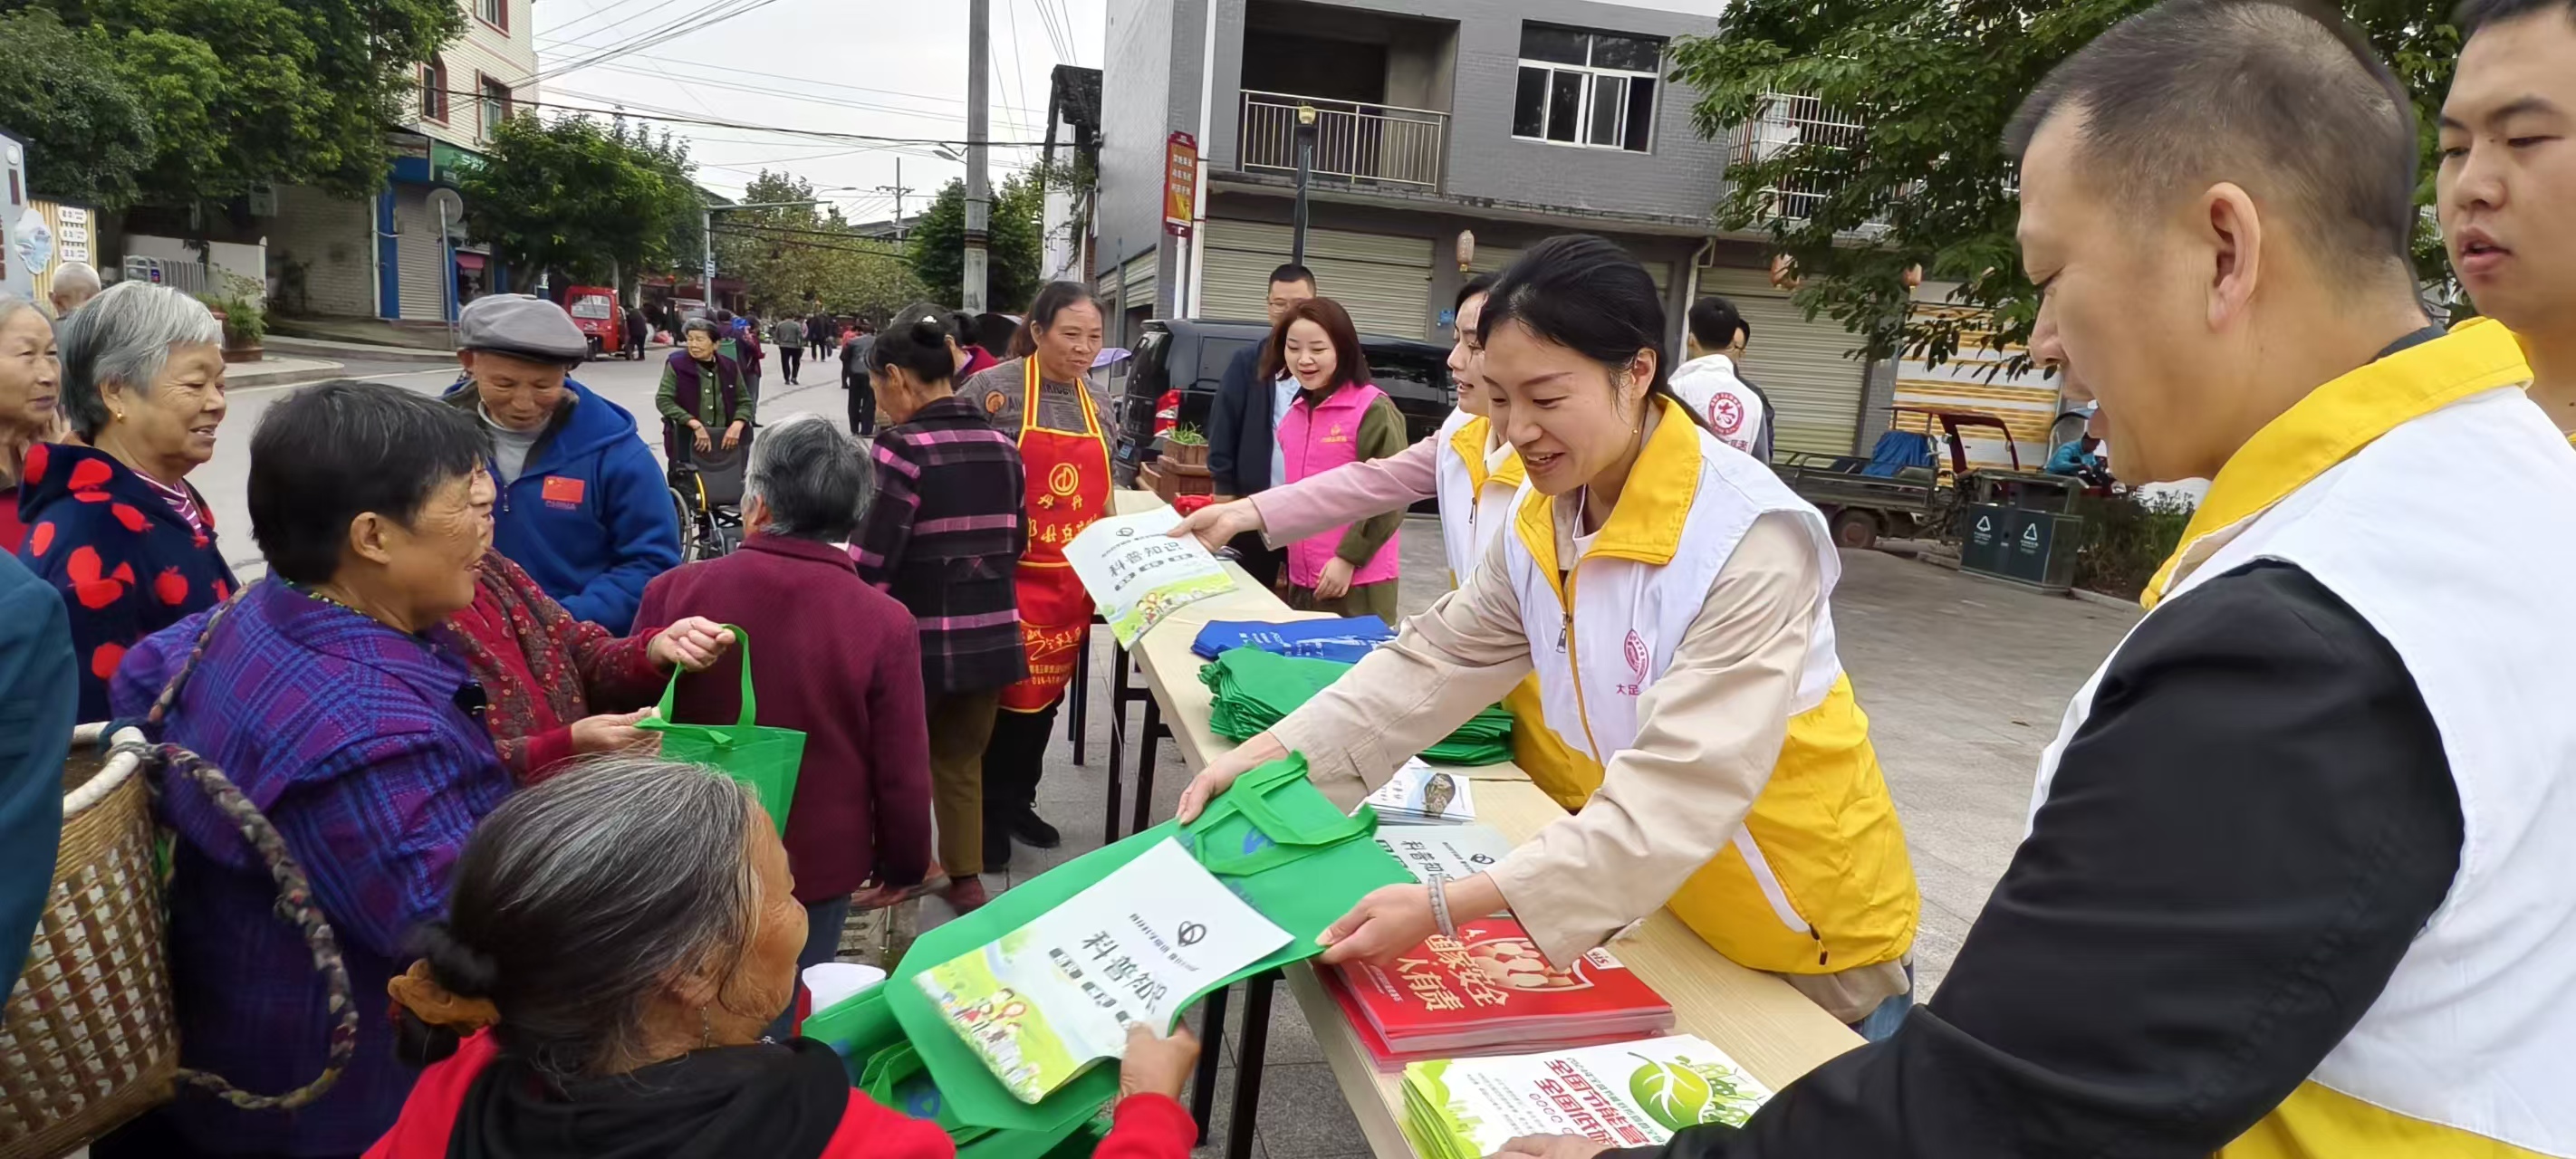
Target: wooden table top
{"x": 1757, "y": 1019}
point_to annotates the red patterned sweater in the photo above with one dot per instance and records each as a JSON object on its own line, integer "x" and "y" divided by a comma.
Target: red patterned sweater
{"x": 542, "y": 669}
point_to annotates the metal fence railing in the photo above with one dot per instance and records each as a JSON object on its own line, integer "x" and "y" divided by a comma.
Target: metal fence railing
{"x": 1354, "y": 142}
{"x": 1790, "y": 120}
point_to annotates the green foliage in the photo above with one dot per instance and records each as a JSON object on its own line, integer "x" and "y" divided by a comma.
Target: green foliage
{"x": 573, "y": 197}
{"x": 88, "y": 137}
{"x": 1013, "y": 244}
{"x": 796, "y": 259}
{"x": 2125, "y": 541}
{"x": 1935, "y": 82}
{"x": 245, "y": 319}
{"x": 231, "y": 93}
{"x": 1186, "y": 435}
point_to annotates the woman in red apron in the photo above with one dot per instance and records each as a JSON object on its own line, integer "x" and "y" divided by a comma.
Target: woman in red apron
{"x": 1041, "y": 395}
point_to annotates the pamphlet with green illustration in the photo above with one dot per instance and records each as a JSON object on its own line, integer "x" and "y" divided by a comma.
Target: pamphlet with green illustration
{"x": 1138, "y": 573}
{"x": 1054, "y": 996}
{"x": 1627, "y": 1094}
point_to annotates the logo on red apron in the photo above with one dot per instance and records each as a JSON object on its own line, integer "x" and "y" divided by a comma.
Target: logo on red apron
{"x": 562, "y": 491}
{"x": 1726, "y": 413}
{"x": 1064, "y": 479}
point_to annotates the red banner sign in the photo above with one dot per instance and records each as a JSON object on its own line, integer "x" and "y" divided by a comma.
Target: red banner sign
{"x": 1180, "y": 183}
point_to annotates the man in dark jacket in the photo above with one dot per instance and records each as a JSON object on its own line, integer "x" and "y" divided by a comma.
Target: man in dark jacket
{"x": 854, "y": 378}
{"x": 583, "y": 508}
{"x": 38, "y": 687}
{"x": 1243, "y": 424}
{"x": 831, "y": 657}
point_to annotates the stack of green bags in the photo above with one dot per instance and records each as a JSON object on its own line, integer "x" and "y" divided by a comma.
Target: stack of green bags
{"x": 1255, "y": 690}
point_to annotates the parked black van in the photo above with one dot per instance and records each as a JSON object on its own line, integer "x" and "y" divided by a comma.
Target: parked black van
{"x": 1189, "y": 355}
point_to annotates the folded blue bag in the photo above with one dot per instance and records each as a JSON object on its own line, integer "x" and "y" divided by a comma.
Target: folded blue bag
{"x": 1346, "y": 640}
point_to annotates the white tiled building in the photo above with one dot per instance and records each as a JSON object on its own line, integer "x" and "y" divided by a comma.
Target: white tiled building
{"x": 385, "y": 257}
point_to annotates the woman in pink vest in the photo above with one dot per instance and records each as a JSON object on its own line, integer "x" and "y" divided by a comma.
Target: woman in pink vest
{"x": 1338, "y": 417}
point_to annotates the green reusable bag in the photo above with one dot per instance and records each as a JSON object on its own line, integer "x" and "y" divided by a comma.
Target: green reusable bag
{"x": 1321, "y": 868}
{"x": 764, "y": 758}
{"x": 883, "y": 1064}
{"x": 1251, "y": 690}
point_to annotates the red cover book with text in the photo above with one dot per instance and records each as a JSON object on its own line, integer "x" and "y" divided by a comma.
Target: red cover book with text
{"x": 1490, "y": 985}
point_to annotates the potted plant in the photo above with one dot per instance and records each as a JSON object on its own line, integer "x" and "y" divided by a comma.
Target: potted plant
{"x": 1186, "y": 444}
{"x": 244, "y": 319}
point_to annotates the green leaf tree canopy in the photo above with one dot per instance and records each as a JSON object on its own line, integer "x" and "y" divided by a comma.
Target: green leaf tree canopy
{"x": 578, "y": 198}
{"x": 88, "y": 134}
{"x": 1013, "y": 245}
{"x": 1918, "y": 175}
{"x": 796, "y": 259}
{"x": 235, "y": 93}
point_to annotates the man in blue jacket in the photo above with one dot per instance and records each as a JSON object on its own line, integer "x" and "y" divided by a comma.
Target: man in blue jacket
{"x": 582, "y": 507}
{"x": 37, "y": 698}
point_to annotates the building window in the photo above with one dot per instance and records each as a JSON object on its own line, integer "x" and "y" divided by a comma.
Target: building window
{"x": 496, "y": 105}
{"x": 493, "y": 12}
{"x": 433, "y": 90}
{"x": 1594, "y": 89}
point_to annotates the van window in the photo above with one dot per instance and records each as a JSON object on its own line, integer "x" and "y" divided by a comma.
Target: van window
{"x": 1215, "y": 353}
{"x": 1407, "y": 373}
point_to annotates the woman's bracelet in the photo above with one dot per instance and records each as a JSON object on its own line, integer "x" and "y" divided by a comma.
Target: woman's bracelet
{"x": 1440, "y": 906}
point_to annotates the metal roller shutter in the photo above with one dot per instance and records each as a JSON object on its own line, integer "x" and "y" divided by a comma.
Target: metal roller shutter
{"x": 1804, "y": 367}
{"x": 1136, "y": 282}
{"x": 419, "y": 256}
{"x": 1383, "y": 281}
{"x": 1492, "y": 259}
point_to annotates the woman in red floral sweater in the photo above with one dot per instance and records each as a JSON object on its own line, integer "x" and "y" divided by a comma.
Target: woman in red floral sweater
{"x": 557, "y": 687}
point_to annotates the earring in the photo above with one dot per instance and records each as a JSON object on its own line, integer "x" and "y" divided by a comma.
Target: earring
{"x": 706, "y": 1029}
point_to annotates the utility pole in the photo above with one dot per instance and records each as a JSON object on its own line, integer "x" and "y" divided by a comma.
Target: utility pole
{"x": 979, "y": 194}
{"x": 1305, "y": 173}
{"x": 898, "y": 189}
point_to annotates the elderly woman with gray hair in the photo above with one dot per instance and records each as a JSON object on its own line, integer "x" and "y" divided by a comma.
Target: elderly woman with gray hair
{"x": 615, "y": 943}
{"x": 831, "y": 656}
{"x": 114, "y": 525}
{"x": 31, "y": 382}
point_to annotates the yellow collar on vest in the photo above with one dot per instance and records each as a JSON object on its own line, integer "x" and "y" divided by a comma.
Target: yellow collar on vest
{"x": 1469, "y": 442}
{"x": 2334, "y": 421}
{"x": 1646, "y": 526}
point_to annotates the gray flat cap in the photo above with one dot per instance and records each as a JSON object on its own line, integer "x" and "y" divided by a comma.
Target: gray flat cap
{"x": 517, "y": 324}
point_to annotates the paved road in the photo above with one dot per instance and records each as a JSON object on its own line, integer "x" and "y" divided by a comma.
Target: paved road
{"x": 225, "y": 479}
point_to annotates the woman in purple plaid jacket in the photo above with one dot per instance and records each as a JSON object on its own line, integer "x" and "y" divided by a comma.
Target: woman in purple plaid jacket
{"x": 331, "y": 697}
{"x": 945, "y": 537}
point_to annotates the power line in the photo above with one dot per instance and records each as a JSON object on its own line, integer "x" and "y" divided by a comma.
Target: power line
{"x": 1055, "y": 36}
{"x": 683, "y": 119}
{"x": 682, "y": 26}
{"x": 785, "y": 94}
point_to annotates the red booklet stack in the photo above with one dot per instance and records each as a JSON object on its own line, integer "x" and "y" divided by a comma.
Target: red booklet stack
{"x": 1488, "y": 991}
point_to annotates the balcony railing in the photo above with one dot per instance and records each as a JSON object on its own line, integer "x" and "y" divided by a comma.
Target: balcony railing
{"x": 1355, "y": 143}
{"x": 1789, "y": 120}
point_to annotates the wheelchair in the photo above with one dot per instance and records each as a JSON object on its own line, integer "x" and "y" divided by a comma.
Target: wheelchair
{"x": 706, "y": 494}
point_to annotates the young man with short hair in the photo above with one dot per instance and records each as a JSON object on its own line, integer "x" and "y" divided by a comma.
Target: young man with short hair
{"x": 2295, "y": 880}
{"x": 1243, "y": 423}
{"x": 1709, "y": 381}
{"x": 2506, "y": 189}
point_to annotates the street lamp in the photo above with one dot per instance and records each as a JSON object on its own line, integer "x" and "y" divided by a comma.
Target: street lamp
{"x": 1305, "y": 171}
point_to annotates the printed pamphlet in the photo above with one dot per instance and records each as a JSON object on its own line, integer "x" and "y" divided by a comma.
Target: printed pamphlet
{"x": 1139, "y": 574}
{"x": 1419, "y": 794}
{"x": 1054, "y": 996}
{"x": 1629, "y": 1094}
{"x": 1450, "y": 851}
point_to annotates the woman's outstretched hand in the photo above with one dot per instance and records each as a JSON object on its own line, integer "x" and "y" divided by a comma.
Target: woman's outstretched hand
{"x": 1218, "y": 523}
{"x": 1220, "y": 773}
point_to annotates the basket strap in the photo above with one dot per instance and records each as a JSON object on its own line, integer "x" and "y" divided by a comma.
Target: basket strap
{"x": 197, "y": 651}
{"x": 294, "y": 903}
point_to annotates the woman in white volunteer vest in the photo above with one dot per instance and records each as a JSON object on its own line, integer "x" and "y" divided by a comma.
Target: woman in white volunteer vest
{"x": 1465, "y": 465}
{"x": 1670, "y": 594}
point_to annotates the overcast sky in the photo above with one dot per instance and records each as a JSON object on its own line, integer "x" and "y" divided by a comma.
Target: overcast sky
{"x": 893, "y": 68}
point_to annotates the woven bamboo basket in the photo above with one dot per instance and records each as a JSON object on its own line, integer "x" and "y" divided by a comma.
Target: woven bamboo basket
{"x": 87, "y": 1039}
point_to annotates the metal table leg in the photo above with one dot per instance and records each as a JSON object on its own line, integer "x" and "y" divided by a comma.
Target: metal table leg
{"x": 1211, "y": 1056}
{"x": 1078, "y": 698}
{"x": 1154, "y": 731}
{"x": 1247, "y": 1064}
